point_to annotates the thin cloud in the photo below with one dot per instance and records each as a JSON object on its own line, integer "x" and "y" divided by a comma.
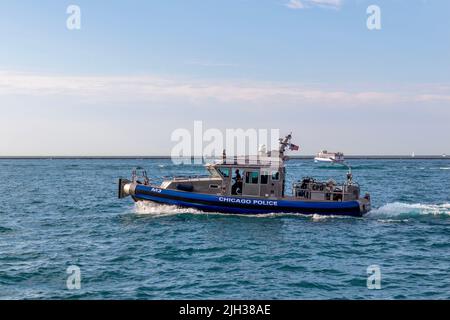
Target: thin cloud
{"x": 295, "y": 4}
{"x": 210, "y": 64}
{"x": 168, "y": 90}
{"x": 304, "y": 4}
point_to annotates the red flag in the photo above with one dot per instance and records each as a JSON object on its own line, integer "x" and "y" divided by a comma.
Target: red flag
{"x": 294, "y": 147}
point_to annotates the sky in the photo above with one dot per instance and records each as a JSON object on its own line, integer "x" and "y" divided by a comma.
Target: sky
{"x": 138, "y": 70}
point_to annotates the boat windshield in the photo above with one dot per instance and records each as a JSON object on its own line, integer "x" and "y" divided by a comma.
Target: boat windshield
{"x": 224, "y": 172}
{"x": 213, "y": 172}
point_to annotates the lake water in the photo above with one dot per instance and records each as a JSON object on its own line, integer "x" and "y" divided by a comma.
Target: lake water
{"x": 60, "y": 213}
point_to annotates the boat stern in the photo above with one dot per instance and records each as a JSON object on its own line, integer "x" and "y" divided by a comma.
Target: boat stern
{"x": 126, "y": 188}
{"x": 365, "y": 205}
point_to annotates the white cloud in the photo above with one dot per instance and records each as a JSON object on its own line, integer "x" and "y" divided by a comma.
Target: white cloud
{"x": 295, "y": 4}
{"x": 303, "y": 4}
{"x": 50, "y": 114}
{"x": 168, "y": 90}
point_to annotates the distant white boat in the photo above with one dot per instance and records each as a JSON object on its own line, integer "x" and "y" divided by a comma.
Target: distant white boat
{"x": 329, "y": 157}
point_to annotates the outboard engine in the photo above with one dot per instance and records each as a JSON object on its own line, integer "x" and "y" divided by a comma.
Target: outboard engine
{"x": 127, "y": 187}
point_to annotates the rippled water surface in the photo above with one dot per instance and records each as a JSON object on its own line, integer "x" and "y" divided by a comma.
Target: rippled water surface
{"x": 58, "y": 213}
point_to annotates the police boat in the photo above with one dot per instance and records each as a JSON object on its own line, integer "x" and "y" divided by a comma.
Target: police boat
{"x": 250, "y": 186}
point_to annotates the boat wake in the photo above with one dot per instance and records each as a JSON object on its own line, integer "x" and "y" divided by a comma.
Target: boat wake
{"x": 399, "y": 209}
{"x": 161, "y": 210}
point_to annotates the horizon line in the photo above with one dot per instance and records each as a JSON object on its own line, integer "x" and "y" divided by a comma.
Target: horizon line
{"x": 166, "y": 157}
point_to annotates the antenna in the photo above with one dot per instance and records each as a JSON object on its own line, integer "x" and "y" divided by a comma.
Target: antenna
{"x": 285, "y": 143}
{"x": 349, "y": 172}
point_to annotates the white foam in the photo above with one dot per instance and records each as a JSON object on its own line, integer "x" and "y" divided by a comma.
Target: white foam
{"x": 320, "y": 217}
{"x": 161, "y": 210}
{"x": 387, "y": 211}
{"x": 392, "y": 220}
{"x": 398, "y": 208}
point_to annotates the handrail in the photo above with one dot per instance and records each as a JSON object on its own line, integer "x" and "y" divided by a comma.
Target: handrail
{"x": 326, "y": 191}
{"x": 190, "y": 177}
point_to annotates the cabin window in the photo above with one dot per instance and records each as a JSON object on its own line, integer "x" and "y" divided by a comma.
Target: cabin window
{"x": 225, "y": 172}
{"x": 264, "y": 177}
{"x": 213, "y": 172}
{"x": 251, "y": 177}
{"x": 236, "y": 187}
{"x": 275, "y": 175}
{"x": 214, "y": 186}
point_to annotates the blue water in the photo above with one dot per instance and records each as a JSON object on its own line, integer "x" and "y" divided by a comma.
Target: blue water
{"x": 58, "y": 213}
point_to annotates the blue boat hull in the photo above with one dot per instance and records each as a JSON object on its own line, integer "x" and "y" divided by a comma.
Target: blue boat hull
{"x": 243, "y": 205}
